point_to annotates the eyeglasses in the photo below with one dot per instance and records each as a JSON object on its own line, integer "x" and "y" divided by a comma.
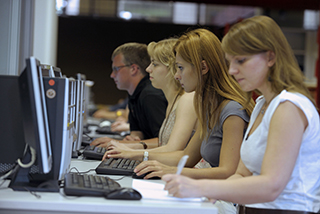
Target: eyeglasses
{"x": 117, "y": 68}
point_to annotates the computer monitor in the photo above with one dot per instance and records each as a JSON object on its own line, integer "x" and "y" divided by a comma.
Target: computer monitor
{"x": 11, "y": 130}
{"x": 35, "y": 127}
{"x": 72, "y": 137}
{"x": 50, "y": 71}
{"x": 79, "y": 112}
{"x": 57, "y": 95}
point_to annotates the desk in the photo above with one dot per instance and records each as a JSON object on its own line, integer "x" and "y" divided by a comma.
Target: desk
{"x": 24, "y": 202}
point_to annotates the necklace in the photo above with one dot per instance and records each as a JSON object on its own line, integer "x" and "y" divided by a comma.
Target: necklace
{"x": 264, "y": 109}
{"x": 167, "y": 117}
{"x": 265, "y": 105}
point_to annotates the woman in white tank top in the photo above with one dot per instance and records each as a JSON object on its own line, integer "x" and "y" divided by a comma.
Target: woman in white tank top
{"x": 279, "y": 169}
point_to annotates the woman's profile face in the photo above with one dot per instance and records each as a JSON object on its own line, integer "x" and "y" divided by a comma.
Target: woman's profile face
{"x": 186, "y": 74}
{"x": 250, "y": 71}
{"x": 158, "y": 74}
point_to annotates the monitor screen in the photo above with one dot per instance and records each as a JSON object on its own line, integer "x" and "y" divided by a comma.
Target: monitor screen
{"x": 34, "y": 112}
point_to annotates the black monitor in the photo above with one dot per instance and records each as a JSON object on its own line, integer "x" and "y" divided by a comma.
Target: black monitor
{"x": 50, "y": 71}
{"x": 79, "y": 112}
{"x": 36, "y": 129}
{"x": 11, "y": 129}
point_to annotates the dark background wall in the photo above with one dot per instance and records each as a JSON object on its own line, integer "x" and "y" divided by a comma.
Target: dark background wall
{"x": 85, "y": 45}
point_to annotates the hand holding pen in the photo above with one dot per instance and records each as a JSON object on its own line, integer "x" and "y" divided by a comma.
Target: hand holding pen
{"x": 181, "y": 186}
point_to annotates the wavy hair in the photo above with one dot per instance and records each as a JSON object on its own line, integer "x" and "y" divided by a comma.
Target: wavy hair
{"x": 216, "y": 86}
{"x": 260, "y": 34}
{"x": 162, "y": 51}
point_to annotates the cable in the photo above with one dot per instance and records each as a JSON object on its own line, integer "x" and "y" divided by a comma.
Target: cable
{"x": 33, "y": 159}
{"x": 90, "y": 138}
{"x": 11, "y": 171}
{"x": 81, "y": 172}
{"x": 85, "y": 172}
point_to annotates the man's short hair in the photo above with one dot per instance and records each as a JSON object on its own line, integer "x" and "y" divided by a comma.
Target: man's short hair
{"x": 134, "y": 53}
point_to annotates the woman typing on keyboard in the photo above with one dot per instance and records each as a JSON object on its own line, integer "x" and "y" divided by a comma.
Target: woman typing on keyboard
{"x": 279, "y": 170}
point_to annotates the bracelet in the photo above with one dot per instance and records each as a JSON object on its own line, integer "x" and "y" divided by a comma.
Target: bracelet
{"x": 145, "y": 156}
{"x": 119, "y": 113}
{"x": 145, "y": 146}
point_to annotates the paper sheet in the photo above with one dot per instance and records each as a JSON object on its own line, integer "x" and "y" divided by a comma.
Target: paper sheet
{"x": 153, "y": 190}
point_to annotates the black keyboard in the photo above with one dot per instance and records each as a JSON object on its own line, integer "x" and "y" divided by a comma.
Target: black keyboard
{"x": 86, "y": 140}
{"x": 106, "y": 130}
{"x": 76, "y": 184}
{"x": 93, "y": 152}
{"x": 117, "y": 166}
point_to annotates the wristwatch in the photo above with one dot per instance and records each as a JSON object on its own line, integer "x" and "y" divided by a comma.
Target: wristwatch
{"x": 145, "y": 146}
{"x": 145, "y": 156}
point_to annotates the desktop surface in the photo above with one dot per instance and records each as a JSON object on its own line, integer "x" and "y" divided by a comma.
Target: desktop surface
{"x": 46, "y": 202}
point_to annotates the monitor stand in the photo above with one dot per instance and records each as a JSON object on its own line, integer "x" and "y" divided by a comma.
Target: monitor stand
{"x": 23, "y": 180}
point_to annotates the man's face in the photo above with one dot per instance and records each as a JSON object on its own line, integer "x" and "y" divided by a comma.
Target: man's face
{"x": 120, "y": 73}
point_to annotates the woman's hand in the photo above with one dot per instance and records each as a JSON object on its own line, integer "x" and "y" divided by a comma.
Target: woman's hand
{"x": 131, "y": 138}
{"x": 183, "y": 187}
{"x": 101, "y": 142}
{"x": 113, "y": 144}
{"x": 156, "y": 168}
{"x": 118, "y": 150}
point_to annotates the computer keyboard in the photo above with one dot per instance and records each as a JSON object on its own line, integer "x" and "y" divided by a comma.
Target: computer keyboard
{"x": 93, "y": 152}
{"x": 117, "y": 166}
{"x": 86, "y": 140}
{"x": 106, "y": 130}
{"x": 76, "y": 184}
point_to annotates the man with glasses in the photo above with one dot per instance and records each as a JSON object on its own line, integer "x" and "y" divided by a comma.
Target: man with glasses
{"x": 147, "y": 105}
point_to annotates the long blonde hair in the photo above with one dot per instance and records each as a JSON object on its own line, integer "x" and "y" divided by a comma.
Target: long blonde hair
{"x": 216, "y": 86}
{"x": 261, "y": 34}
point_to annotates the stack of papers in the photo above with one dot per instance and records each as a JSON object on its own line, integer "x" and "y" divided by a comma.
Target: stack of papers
{"x": 153, "y": 190}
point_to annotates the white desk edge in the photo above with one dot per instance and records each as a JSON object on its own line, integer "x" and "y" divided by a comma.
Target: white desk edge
{"x": 24, "y": 202}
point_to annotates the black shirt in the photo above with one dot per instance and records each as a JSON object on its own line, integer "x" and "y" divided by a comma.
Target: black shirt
{"x": 147, "y": 106}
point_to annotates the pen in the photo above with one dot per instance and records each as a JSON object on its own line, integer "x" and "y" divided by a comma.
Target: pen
{"x": 181, "y": 164}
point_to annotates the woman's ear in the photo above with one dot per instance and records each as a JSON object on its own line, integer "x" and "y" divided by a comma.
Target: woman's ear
{"x": 271, "y": 58}
{"x": 204, "y": 67}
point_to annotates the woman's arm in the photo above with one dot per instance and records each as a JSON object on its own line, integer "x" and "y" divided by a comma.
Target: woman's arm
{"x": 232, "y": 137}
{"x": 233, "y": 128}
{"x": 284, "y": 139}
{"x": 171, "y": 158}
{"x": 106, "y": 142}
{"x": 185, "y": 123}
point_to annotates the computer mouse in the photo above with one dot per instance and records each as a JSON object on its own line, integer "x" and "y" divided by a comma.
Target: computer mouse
{"x": 124, "y": 193}
{"x": 135, "y": 176}
{"x": 105, "y": 123}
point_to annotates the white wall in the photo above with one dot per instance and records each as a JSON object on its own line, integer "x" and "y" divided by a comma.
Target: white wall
{"x": 9, "y": 36}
{"x": 28, "y": 28}
{"x": 45, "y": 32}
